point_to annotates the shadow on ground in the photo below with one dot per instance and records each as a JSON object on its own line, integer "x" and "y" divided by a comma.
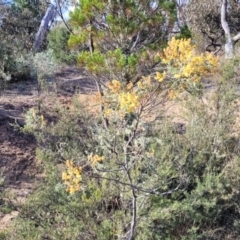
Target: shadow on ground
{"x": 17, "y": 153}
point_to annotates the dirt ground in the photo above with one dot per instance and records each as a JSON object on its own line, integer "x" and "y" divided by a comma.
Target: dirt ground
{"x": 18, "y": 164}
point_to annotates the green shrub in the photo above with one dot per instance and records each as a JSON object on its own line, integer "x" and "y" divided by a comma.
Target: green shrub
{"x": 185, "y": 32}
{"x": 208, "y": 154}
{"x": 57, "y": 41}
{"x": 7, "y": 61}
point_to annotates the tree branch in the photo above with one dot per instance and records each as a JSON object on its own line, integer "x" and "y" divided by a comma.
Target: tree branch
{"x": 236, "y": 37}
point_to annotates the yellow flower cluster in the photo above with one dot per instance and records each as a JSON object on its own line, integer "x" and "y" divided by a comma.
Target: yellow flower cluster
{"x": 93, "y": 159}
{"x": 178, "y": 52}
{"x": 181, "y": 56}
{"x": 160, "y": 76}
{"x": 72, "y": 177}
{"x": 199, "y": 66}
{"x": 120, "y": 99}
{"x": 107, "y": 112}
{"x": 128, "y": 101}
{"x": 114, "y": 86}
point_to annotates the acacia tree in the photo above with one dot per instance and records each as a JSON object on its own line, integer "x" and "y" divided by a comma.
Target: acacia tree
{"x": 118, "y": 38}
{"x": 123, "y": 159}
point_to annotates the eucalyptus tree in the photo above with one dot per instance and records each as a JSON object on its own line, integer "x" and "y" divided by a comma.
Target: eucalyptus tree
{"x": 228, "y": 28}
{"x": 217, "y": 21}
{"x": 20, "y": 23}
{"x": 54, "y": 9}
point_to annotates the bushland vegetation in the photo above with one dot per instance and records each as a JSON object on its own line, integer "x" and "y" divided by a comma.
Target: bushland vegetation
{"x": 136, "y": 169}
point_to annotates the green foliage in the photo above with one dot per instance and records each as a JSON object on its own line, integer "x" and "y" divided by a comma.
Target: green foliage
{"x": 24, "y": 69}
{"x": 21, "y": 22}
{"x": 57, "y": 41}
{"x": 44, "y": 64}
{"x": 83, "y": 215}
{"x": 185, "y": 32}
{"x": 94, "y": 62}
{"x": 130, "y": 31}
{"x": 44, "y": 68}
{"x": 3, "y": 235}
{"x": 208, "y": 153}
{"x": 18, "y": 27}
{"x": 71, "y": 129}
{"x": 7, "y": 62}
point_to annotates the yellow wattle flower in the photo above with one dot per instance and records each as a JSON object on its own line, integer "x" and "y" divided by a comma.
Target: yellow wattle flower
{"x": 128, "y": 101}
{"x": 94, "y": 159}
{"x": 64, "y": 176}
{"x": 69, "y": 163}
{"x": 76, "y": 181}
{"x": 140, "y": 84}
{"x": 107, "y": 112}
{"x": 114, "y": 86}
{"x": 184, "y": 62}
{"x": 72, "y": 189}
{"x": 72, "y": 177}
{"x": 160, "y": 76}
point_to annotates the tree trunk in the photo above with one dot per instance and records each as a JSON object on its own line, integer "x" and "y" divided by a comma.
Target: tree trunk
{"x": 229, "y": 45}
{"x": 180, "y": 4}
{"x": 42, "y": 31}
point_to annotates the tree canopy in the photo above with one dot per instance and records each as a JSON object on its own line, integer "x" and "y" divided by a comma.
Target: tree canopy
{"x": 118, "y": 38}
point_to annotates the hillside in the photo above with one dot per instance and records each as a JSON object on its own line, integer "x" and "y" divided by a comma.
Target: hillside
{"x": 19, "y": 166}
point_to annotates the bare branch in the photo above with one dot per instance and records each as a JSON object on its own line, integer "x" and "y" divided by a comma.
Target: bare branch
{"x": 236, "y": 38}
{"x": 58, "y": 10}
{"x": 136, "y": 41}
{"x": 105, "y": 120}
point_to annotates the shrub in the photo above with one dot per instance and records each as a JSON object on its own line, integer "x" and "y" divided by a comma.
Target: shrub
{"x": 7, "y": 62}
{"x": 57, "y": 41}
